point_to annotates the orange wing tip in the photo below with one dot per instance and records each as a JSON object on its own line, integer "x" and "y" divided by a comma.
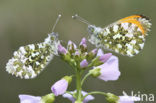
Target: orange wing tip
{"x": 141, "y": 21}
{"x": 137, "y": 23}
{"x": 143, "y": 16}
{"x": 135, "y": 17}
{"x": 131, "y": 17}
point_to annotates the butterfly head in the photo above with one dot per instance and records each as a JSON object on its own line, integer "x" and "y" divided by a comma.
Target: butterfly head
{"x": 91, "y": 29}
{"x": 54, "y": 36}
{"x": 94, "y": 33}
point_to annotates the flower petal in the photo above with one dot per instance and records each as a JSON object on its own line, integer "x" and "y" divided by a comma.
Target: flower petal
{"x": 60, "y": 87}
{"x": 61, "y": 49}
{"x": 128, "y": 99}
{"x": 110, "y": 69}
{"x": 88, "y": 98}
{"x": 71, "y": 98}
{"x": 83, "y": 63}
{"x": 105, "y": 57}
{"x": 83, "y": 43}
{"x": 29, "y": 99}
{"x": 100, "y": 52}
{"x": 94, "y": 51}
{"x": 70, "y": 43}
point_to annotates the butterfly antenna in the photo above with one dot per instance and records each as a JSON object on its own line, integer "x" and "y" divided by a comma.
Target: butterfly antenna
{"x": 58, "y": 18}
{"x": 76, "y": 16}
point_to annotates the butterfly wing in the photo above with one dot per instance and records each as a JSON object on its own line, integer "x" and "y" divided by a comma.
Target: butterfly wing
{"x": 126, "y": 36}
{"x": 28, "y": 61}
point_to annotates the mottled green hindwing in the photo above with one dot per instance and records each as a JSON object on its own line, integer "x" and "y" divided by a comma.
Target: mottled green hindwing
{"x": 126, "y": 37}
{"x": 28, "y": 61}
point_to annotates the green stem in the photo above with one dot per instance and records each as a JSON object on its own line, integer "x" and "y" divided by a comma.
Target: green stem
{"x": 94, "y": 92}
{"x": 69, "y": 93}
{"x": 78, "y": 85}
{"x": 85, "y": 77}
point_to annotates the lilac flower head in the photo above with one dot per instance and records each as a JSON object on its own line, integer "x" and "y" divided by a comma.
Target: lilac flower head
{"x": 29, "y": 99}
{"x": 71, "y": 98}
{"x": 83, "y": 63}
{"x": 60, "y": 87}
{"x": 110, "y": 69}
{"x": 61, "y": 49}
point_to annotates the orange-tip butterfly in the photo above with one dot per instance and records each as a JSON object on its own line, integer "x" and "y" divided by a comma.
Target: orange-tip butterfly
{"x": 125, "y": 36}
{"x": 28, "y": 61}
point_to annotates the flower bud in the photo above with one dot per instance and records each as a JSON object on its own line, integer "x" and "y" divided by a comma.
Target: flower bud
{"x": 83, "y": 63}
{"x": 95, "y": 72}
{"x": 91, "y": 54}
{"x": 83, "y": 45}
{"x": 111, "y": 98}
{"x": 94, "y": 51}
{"x": 61, "y": 49}
{"x": 77, "y": 53}
{"x": 68, "y": 79}
{"x": 83, "y": 42}
{"x": 67, "y": 57}
{"x": 49, "y": 98}
{"x": 71, "y": 47}
{"x": 61, "y": 86}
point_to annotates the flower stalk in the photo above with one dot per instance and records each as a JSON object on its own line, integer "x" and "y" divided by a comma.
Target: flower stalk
{"x": 94, "y": 92}
{"x": 85, "y": 77}
{"x": 78, "y": 85}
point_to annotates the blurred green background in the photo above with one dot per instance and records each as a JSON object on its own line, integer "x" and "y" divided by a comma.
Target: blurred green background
{"x": 24, "y": 22}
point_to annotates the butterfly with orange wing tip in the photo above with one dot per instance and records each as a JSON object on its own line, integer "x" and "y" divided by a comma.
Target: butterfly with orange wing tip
{"x": 28, "y": 61}
{"x": 125, "y": 36}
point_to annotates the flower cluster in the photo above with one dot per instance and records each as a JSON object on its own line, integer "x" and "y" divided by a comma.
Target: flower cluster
{"x": 104, "y": 66}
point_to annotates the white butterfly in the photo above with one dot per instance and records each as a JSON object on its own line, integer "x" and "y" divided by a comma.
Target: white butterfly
{"x": 28, "y": 61}
{"x": 125, "y": 36}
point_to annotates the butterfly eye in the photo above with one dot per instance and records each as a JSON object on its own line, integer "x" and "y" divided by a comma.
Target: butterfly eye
{"x": 91, "y": 28}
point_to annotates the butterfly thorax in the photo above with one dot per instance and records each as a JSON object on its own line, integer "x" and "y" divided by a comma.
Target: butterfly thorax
{"x": 53, "y": 42}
